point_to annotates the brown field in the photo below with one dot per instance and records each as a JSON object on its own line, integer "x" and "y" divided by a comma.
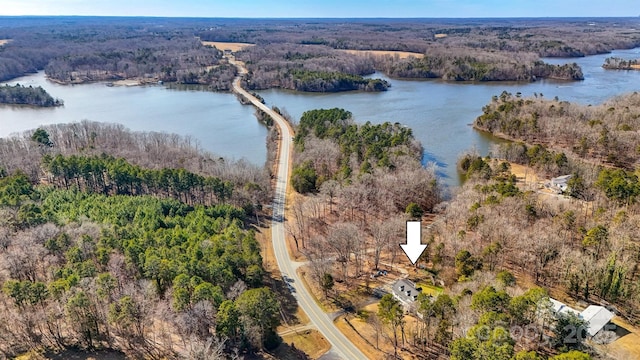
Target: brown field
{"x": 4, "y": 41}
{"x": 524, "y": 173}
{"x": 311, "y": 342}
{"x": 637, "y": 67}
{"x": 440, "y": 36}
{"x": 227, "y": 45}
{"x": 401, "y": 54}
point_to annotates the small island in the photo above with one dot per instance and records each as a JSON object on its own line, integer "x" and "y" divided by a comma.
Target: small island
{"x": 23, "y": 95}
{"x": 616, "y": 63}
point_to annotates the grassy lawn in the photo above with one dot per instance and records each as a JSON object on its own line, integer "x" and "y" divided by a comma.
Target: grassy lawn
{"x": 430, "y": 289}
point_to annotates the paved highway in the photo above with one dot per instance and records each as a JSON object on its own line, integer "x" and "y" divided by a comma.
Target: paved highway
{"x": 319, "y": 318}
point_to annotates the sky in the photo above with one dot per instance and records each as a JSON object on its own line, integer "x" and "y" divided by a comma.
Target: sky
{"x": 324, "y": 8}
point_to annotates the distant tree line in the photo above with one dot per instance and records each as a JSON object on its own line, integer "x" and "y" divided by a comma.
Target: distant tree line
{"x": 471, "y": 65}
{"x": 316, "y": 81}
{"x": 544, "y": 37}
{"x": 23, "y": 95}
{"x": 83, "y": 50}
{"x": 318, "y": 68}
{"x": 307, "y": 68}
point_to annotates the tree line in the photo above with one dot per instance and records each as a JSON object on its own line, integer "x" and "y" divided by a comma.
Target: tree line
{"x": 462, "y": 64}
{"x": 139, "y": 152}
{"x": 317, "y": 81}
{"x": 307, "y": 68}
{"x": 108, "y": 175}
{"x": 84, "y": 50}
{"x": 544, "y": 37}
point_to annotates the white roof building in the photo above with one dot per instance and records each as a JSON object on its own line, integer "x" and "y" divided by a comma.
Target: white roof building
{"x": 597, "y": 317}
{"x": 561, "y": 182}
{"x": 406, "y": 292}
{"x": 562, "y": 308}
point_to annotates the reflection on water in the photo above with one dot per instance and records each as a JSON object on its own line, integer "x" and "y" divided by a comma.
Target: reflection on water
{"x": 217, "y": 120}
{"x": 440, "y": 113}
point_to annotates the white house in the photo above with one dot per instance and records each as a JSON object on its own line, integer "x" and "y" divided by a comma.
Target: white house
{"x": 406, "y": 292}
{"x": 597, "y": 317}
{"x": 561, "y": 182}
{"x": 562, "y": 308}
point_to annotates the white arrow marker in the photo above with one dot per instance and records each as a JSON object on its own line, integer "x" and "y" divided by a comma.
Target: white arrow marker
{"x": 413, "y": 248}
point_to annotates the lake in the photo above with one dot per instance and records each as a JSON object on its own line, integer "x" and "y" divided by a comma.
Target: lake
{"x": 440, "y": 113}
{"x": 217, "y": 120}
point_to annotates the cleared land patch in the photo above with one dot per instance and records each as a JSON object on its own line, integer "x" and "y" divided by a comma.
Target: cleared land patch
{"x": 4, "y": 41}
{"x": 227, "y": 45}
{"x": 311, "y": 342}
{"x": 401, "y": 54}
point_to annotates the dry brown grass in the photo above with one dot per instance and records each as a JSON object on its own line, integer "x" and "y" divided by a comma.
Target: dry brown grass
{"x": 263, "y": 235}
{"x": 637, "y": 67}
{"x": 440, "y": 36}
{"x": 401, "y": 54}
{"x": 626, "y": 347}
{"x": 524, "y": 173}
{"x": 227, "y": 45}
{"x": 311, "y": 342}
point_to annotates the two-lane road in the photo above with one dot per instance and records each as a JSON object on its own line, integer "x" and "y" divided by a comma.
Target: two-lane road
{"x": 319, "y": 318}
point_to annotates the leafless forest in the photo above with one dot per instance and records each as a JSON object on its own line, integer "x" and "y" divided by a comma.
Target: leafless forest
{"x": 169, "y": 50}
{"x": 604, "y": 133}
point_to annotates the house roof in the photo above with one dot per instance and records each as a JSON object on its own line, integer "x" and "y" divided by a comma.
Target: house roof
{"x": 400, "y": 289}
{"x": 562, "y": 308}
{"x": 561, "y": 179}
{"x": 597, "y": 316}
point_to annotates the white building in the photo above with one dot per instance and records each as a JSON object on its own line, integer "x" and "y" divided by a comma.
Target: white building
{"x": 406, "y": 292}
{"x": 597, "y": 317}
{"x": 561, "y": 182}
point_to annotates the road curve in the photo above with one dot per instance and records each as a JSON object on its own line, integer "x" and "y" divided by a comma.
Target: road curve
{"x": 319, "y": 318}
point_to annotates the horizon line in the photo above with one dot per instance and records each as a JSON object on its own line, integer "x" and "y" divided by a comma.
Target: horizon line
{"x": 322, "y": 18}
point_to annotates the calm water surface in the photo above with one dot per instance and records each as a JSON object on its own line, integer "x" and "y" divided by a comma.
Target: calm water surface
{"x": 438, "y": 112}
{"x": 217, "y": 120}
